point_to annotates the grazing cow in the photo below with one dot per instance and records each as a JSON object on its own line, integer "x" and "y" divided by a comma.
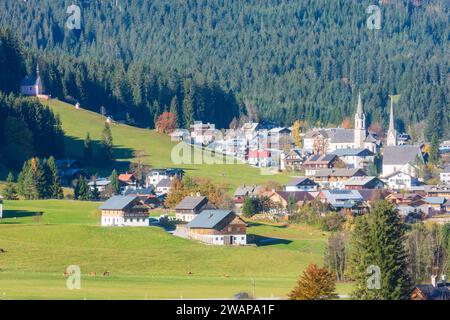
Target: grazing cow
{"x": 92, "y": 274}
{"x": 106, "y": 274}
{"x": 189, "y": 273}
{"x": 66, "y": 274}
{"x": 2, "y": 250}
{"x": 226, "y": 275}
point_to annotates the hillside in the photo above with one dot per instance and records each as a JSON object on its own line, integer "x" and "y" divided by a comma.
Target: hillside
{"x": 303, "y": 59}
{"x": 145, "y": 263}
{"x": 156, "y": 148}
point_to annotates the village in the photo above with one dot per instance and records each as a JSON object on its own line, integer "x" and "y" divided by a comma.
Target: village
{"x": 341, "y": 171}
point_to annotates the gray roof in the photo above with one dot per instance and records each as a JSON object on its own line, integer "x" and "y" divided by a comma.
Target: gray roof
{"x": 401, "y": 155}
{"x": 209, "y": 218}
{"x": 343, "y": 136}
{"x": 31, "y": 80}
{"x": 190, "y": 203}
{"x": 338, "y": 172}
{"x": 435, "y": 200}
{"x": 300, "y": 180}
{"x": 164, "y": 183}
{"x": 353, "y": 152}
{"x": 117, "y": 202}
{"x": 360, "y": 181}
{"x": 244, "y": 190}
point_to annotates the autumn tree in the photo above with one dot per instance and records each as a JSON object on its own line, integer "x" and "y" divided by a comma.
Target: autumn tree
{"x": 166, "y": 123}
{"x": 296, "y": 130}
{"x": 315, "y": 284}
{"x": 347, "y": 123}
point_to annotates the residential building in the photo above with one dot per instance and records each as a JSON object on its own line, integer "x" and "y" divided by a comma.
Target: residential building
{"x": 410, "y": 199}
{"x": 356, "y": 158}
{"x": 218, "y": 227}
{"x": 1, "y": 207}
{"x": 180, "y": 135}
{"x": 203, "y": 133}
{"x": 100, "y": 183}
{"x": 336, "y": 178}
{"x": 189, "y": 208}
{"x": 434, "y": 291}
{"x": 294, "y": 160}
{"x": 128, "y": 181}
{"x": 146, "y": 195}
{"x": 347, "y": 201}
{"x": 402, "y": 158}
{"x": 438, "y": 204}
{"x": 124, "y": 211}
{"x": 319, "y": 161}
{"x": 400, "y": 180}
{"x": 164, "y": 186}
{"x": 154, "y": 176}
{"x": 241, "y": 193}
{"x": 315, "y": 141}
{"x": 282, "y": 197}
{"x": 445, "y": 175}
{"x": 301, "y": 184}
{"x": 359, "y": 183}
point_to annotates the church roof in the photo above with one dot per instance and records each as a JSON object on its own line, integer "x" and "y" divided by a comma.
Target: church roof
{"x": 343, "y": 136}
{"x": 31, "y": 80}
{"x": 401, "y": 155}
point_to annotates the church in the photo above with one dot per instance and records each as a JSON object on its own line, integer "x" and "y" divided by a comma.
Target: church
{"x": 357, "y": 138}
{"x": 32, "y": 85}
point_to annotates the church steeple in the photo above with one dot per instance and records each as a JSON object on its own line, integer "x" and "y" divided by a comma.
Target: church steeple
{"x": 392, "y": 133}
{"x": 360, "y": 125}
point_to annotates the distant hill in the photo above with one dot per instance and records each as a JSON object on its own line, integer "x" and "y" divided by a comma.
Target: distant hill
{"x": 286, "y": 59}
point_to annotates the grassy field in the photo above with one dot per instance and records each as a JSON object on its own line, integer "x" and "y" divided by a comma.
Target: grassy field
{"x": 143, "y": 262}
{"x": 155, "y": 147}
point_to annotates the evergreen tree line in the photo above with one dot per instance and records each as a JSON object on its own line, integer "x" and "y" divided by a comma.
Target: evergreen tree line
{"x": 38, "y": 180}
{"x": 386, "y": 257}
{"x": 286, "y": 59}
{"x": 27, "y": 128}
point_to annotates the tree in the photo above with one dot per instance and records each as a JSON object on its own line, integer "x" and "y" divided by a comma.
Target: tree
{"x": 175, "y": 110}
{"x": 115, "y": 186}
{"x": 107, "y": 142}
{"x": 95, "y": 194}
{"x": 434, "y": 155}
{"x": 87, "y": 148}
{"x": 32, "y": 180}
{"x": 55, "y": 190}
{"x": 10, "y": 192}
{"x": 292, "y": 203}
{"x": 296, "y": 130}
{"x": 347, "y": 123}
{"x": 248, "y": 208}
{"x": 378, "y": 244}
{"x": 166, "y": 123}
{"x": 315, "y": 284}
{"x": 336, "y": 255}
{"x": 82, "y": 191}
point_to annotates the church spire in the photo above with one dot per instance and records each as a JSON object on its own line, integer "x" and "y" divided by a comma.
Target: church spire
{"x": 391, "y": 117}
{"x": 37, "y": 71}
{"x": 359, "y": 110}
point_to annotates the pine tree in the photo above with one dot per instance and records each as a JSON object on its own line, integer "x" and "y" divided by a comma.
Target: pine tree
{"x": 55, "y": 190}
{"x": 434, "y": 150}
{"x": 248, "y": 208}
{"x": 82, "y": 191}
{"x": 95, "y": 194}
{"x": 174, "y": 109}
{"x": 107, "y": 142}
{"x": 32, "y": 181}
{"x": 115, "y": 187}
{"x": 10, "y": 192}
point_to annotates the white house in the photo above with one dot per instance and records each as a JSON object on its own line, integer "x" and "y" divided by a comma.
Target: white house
{"x": 402, "y": 158}
{"x": 163, "y": 186}
{"x": 401, "y": 180}
{"x": 124, "y": 211}
{"x": 445, "y": 175}
{"x": 301, "y": 184}
{"x": 101, "y": 184}
{"x": 155, "y": 176}
{"x": 356, "y": 158}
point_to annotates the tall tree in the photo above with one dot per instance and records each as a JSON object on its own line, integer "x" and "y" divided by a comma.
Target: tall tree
{"x": 55, "y": 190}
{"x": 115, "y": 187}
{"x": 107, "y": 142}
{"x": 9, "y": 191}
{"x": 315, "y": 284}
{"x": 82, "y": 191}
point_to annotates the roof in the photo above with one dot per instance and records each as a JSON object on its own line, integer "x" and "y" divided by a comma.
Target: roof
{"x": 353, "y": 152}
{"x": 208, "y": 219}
{"x": 435, "y": 200}
{"x": 400, "y": 155}
{"x": 397, "y": 173}
{"x": 340, "y": 195}
{"x": 31, "y": 80}
{"x": 117, "y": 202}
{"x": 100, "y": 182}
{"x": 125, "y": 177}
{"x": 339, "y": 172}
{"x": 190, "y": 203}
{"x": 317, "y": 158}
{"x": 244, "y": 190}
{"x": 343, "y": 136}
{"x": 314, "y": 132}
{"x": 164, "y": 183}
{"x": 300, "y": 181}
{"x": 299, "y": 195}
{"x": 146, "y": 191}
{"x": 373, "y": 194}
{"x": 360, "y": 181}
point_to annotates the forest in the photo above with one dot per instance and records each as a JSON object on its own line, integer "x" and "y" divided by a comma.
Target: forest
{"x": 284, "y": 59}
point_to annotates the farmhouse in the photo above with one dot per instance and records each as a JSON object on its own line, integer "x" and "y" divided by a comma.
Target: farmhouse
{"x": 282, "y": 197}
{"x": 124, "y": 211}
{"x": 336, "y": 178}
{"x": 358, "y": 183}
{"x": 147, "y": 196}
{"x": 163, "y": 186}
{"x": 317, "y": 162}
{"x": 434, "y": 291}
{"x": 128, "y": 181}
{"x": 400, "y": 180}
{"x": 301, "y": 184}
{"x": 294, "y": 160}
{"x": 241, "y": 193}
{"x": 189, "y": 208}
{"x": 218, "y": 227}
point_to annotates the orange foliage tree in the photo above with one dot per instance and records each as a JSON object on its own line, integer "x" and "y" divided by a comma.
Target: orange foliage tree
{"x": 315, "y": 284}
{"x": 347, "y": 123}
{"x": 166, "y": 122}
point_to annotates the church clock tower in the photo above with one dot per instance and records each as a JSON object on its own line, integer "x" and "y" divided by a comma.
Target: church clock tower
{"x": 360, "y": 132}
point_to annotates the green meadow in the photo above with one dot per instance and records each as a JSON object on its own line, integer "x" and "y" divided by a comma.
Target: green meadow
{"x": 42, "y": 238}
{"x": 155, "y": 147}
